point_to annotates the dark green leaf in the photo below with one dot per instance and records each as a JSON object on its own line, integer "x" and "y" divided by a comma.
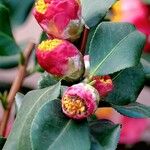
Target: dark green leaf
{"x": 128, "y": 84}
{"x": 19, "y": 11}
{"x": 8, "y": 47}
{"x": 2, "y": 142}
{"x": 9, "y": 61}
{"x": 32, "y": 102}
{"x": 93, "y": 12}
{"x": 46, "y": 80}
{"x": 91, "y": 33}
{"x": 106, "y": 133}
{"x": 134, "y": 110}
{"x": 115, "y": 46}
{"x": 5, "y": 21}
{"x": 95, "y": 145}
{"x": 146, "y": 66}
{"x": 52, "y": 130}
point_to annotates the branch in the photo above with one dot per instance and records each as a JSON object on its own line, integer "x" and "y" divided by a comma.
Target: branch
{"x": 84, "y": 40}
{"x": 15, "y": 87}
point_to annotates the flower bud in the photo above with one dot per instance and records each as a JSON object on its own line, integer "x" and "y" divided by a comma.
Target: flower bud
{"x": 103, "y": 84}
{"x": 61, "y": 59}
{"x": 80, "y": 101}
{"x": 59, "y": 18}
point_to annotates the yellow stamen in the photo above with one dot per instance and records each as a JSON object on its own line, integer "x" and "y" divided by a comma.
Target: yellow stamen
{"x": 41, "y": 6}
{"x": 74, "y": 105}
{"x": 106, "y": 81}
{"x": 117, "y": 12}
{"x": 49, "y": 45}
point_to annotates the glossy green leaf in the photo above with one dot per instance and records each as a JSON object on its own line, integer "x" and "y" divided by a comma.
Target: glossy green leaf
{"x": 134, "y": 110}
{"x": 2, "y": 142}
{"x": 19, "y": 11}
{"x": 146, "y": 66}
{"x": 52, "y": 130}
{"x": 5, "y": 21}
{"x": 93, "y": 12}
{"x": 95, "y": 145}
{"x": 9, "y": 61}
{"x": 46, "y": 80}
{"x": 115, "y": 46}
{"x": 32, "y": 102}
{"x": 128, "y": 84}
{"x": 106, "y": 133}
{"x": 8, "y": 46}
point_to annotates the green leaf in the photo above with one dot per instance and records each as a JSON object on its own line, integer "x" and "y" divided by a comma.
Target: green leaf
{"x": 46, "y": 80}
{"x": 5, "y": 26}
{"x": 93, "y": 12}
{"x": 52, "y": 130}
{"x": 134, "y": 110}
{"x": 128, "y": 84}
{"x": 146, "y": 1}
{"x": 9, "y": 61}
{"x": 8, "y": 46}
{"x": 19, "y": 11}
{"x": 146, "y": 66}
{"x": 18, "y": 101}
{"x": 95, "y": 145}
{"x": 115, "y": 46}
{"x": 2, "y": 142}
{"x": 32, "y": 102}
{"x": 106, "y": 133}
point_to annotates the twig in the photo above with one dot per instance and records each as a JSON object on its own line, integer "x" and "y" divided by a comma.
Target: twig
{"x": 15, "y": 88}
{"x": 84, "y": 40}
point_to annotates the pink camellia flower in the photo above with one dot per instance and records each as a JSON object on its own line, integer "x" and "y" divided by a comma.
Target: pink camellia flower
{"x": 135, "y": 12}
{"x": 132, "y": 130}
{"x": 103, "y": 84}
{"x": 61, "y": 59}
{"x": 59, "y": 18}
{"x": 80, "y": 101}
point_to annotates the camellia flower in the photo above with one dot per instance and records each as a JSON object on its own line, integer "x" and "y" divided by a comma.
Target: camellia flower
{"x": 61, "y": 59}
{"x": 135, "y": 12}
{"x": 80, "y": 101}
{"x": 59, "y": 18}
{"x": 103, "y": 84}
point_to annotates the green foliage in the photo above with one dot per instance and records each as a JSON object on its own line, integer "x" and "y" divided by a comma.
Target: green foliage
{"x": 93, "y": 12}
{"x": 19, "y": 10}
{"x": 55, "y": 131}
{"x": 115, "y": 46}
{"x": 2, "y": 142}
{"x": 146, "y": 1}
{"x": 134, "y": 110}
{"x": 18, "y": 101}
{"x": 46, "y": 80}
{"x": 32, "y": 103}
{"x": 105, "y": 135}
{"x": 128, "y": 84}
{"x": 8, "y": 47}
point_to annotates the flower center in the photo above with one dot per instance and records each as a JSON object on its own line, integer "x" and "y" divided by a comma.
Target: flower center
{"x": 74, "y": 105}
{"x": 49, "y": 45}
{"x": 105, "y": 80}
{"x": 41, "y": 6}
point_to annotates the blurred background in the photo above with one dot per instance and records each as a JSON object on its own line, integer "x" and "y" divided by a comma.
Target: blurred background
{"x": 21, "y": 27}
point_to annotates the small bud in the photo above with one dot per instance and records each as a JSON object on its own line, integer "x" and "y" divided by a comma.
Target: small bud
{"x": 59, "y": 18}
{"x": 103, "y": 84}
{"x": 80, "y": 101}
{"x": 61, "y": 59}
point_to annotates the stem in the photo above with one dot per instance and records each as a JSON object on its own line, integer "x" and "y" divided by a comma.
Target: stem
{"x": 84, "y": 40}
{"x": 17, "y": 83}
